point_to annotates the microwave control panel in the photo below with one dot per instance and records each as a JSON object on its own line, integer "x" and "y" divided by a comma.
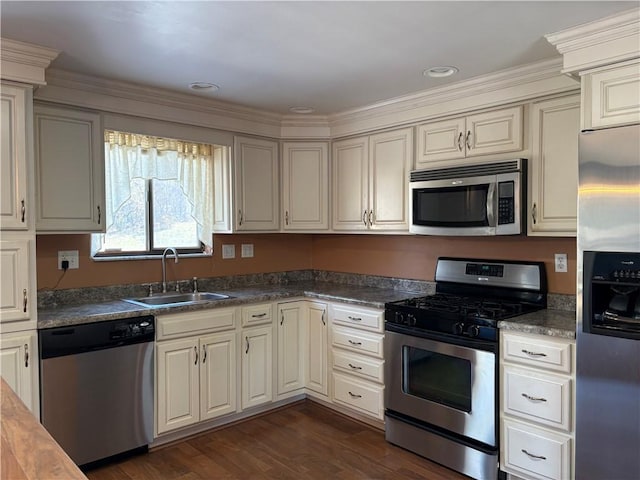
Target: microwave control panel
{"x": 506, "y": 203}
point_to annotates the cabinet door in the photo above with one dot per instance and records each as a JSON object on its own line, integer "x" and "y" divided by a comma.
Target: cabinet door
{"x": 69, "y": 170}
{"x": 290, "y": 347}
{"x": 389, "y": 166}
{"x": 256, "y": 184}
{"x": 19, "y": 368}
{"x": 13, "y": 159}
{"x": 257, "y": 366}
{"x": 217, "y": 375}
{"x": 14, "y": 275}
{"x": 350, "y": 184}
{"x": 316, "y": 378}
{"x": 554, "y": 167}
{"x": 494, "y": 132}
{"x": 177, "y": 391}
{"x": 440, "y": 141}
{"x": 305, "y": 186}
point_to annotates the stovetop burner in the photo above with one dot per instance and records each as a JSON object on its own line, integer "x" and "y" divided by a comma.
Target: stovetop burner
{"x": 464, "y": 307}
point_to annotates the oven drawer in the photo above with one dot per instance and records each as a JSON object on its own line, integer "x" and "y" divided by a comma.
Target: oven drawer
{"x": 535, "y": 453}
{"x": 549, "y": 353}
{"x": 357, "y": 341}
{"x": 365, "y": 367}
{"x": 363, "y": 396}
{"x": 256, "y": 314}
{"x": 367, "y": 319}
{"x": 538, "y": 397}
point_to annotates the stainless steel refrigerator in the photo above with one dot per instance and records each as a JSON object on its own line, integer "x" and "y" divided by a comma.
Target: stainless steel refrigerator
{"x": 607, "y": 444}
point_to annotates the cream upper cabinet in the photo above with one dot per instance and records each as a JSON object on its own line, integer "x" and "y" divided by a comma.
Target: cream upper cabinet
{"x": 611, "y": 96}
{"x": 19, "y": 366}
{"x": 370, "y": 182}
{"x": 14, "y": 201}
{"x": 256, "y": 185}
{"x": 498, "y": 131}
{"x": 69, "y": 153}
{"x": 17, "y": 293}
{"x": 305, "y": 186}
{"x": 553, "y": 169}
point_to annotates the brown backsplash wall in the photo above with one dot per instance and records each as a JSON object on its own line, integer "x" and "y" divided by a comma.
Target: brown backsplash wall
{"x": 272, "y": 253}
{"x": 415, "y": 257}
{"x": 404, "y": 256}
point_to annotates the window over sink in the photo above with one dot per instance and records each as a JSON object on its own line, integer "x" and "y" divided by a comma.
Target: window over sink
{"x": 159, "y": 194}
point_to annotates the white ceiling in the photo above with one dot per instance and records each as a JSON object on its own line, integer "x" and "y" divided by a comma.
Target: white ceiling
{"x": 332, "y": 56}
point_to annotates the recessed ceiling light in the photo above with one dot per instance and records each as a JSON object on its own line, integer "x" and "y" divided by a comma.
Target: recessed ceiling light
{"x": 439, "y": 72}
{"x": 201, "y": 86}
{"x": 301, "y": 110}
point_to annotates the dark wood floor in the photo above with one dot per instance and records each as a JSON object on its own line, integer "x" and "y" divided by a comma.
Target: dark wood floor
{"x": 302, "y": 441}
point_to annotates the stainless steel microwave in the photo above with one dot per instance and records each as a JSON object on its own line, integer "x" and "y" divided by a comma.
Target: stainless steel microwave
{"x": 483, "y": 199}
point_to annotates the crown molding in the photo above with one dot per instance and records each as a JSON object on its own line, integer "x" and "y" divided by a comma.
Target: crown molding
{"x": 25, "y": 62}
{"x": 609, "y": 40}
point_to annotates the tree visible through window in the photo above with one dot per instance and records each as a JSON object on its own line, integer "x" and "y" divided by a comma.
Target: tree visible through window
{"x": 159, "y": 194}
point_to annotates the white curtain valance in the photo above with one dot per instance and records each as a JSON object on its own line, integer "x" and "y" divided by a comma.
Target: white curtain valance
{"x": 129, "y": 156}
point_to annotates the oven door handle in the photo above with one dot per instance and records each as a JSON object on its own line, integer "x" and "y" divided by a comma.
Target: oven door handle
{"x": 491, "y": 204}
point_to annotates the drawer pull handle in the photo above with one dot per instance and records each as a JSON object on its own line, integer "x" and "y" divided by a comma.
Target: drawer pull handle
{"x": 355, "y": 367}
{"x": 534, "y": 354}
{"x": 259, "y": 315}
{"x": 354, "y": 319}
{"x": 537, "y": 457}
{"x": 355, "y": 395}
{"x": 534, "y": 399}
{"x": 355, "y": 343}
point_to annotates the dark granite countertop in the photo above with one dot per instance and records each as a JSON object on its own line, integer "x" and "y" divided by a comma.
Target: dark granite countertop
{"x": 97, "y": 312}
{"x": 553, "y": 323}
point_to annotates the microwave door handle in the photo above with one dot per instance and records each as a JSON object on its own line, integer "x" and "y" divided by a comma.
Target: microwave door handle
{"x": 491, "y": 204}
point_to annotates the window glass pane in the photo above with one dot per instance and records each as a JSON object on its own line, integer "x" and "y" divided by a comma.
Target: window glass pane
{"x": 437, "y": 377}
{"x": 127, "y": 233}
{"x": 173, "y": 225}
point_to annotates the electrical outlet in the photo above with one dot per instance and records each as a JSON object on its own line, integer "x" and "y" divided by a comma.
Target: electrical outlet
{"x": 561, "y": 262}
{"x": 70, "y": 256}
{"x": 247, "y": 250}
{"x": 228, "y": 251}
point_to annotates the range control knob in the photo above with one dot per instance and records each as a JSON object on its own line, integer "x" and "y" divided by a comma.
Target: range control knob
{"x": 473, "y": 331}
{"x": 458, "y": 328}
{"x": 399, "y": 318}
{"x": 411, "y": 320}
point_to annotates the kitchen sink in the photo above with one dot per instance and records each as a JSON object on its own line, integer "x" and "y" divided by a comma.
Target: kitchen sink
{"x": 167, "y": 299}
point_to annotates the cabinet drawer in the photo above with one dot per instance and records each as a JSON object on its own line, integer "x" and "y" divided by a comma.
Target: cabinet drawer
{"x": 194, "y": 323}
{"x": 535, "y": 453}
{"x": 363, "y": 396}
{"x": 256, "y": 314}
{"x": 542, "y": 398}
{"x": 364, "y": 367}
{"x": 548, "y": 353}
{"x": 357, "y": 341}
{"x": 367, "y": 319}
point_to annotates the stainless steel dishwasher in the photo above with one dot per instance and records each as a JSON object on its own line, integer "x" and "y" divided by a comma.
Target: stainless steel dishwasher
{"x": 96, "y": 386}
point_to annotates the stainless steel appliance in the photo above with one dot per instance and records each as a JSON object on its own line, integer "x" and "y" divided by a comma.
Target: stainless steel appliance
{"x": 441, "y": 364}
{"x": 608, "y": 320}
{"x": 485, "y": 199}
{"x": 96, "y": 387}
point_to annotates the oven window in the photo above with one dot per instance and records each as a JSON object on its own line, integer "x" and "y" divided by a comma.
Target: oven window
{"x": 437, "y": 377}
{"x": 464, "y": 206}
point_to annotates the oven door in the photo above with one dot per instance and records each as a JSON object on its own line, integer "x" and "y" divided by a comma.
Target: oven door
{"x": 449, "y": 386}
{"x": 464, "y": 206}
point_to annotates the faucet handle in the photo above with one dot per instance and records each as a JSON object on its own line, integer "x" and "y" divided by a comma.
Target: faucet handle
{"x": 177, "y": 286}
{"x": 195, "y": 284}
{"x": 150, "y": 289}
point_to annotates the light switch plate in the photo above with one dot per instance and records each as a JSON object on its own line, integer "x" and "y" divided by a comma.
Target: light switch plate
{"x": 247, "y": 250}
{"x": 228, "y": 251}
{"x": 561, "y": 262}
{"x": 70, "y": 256}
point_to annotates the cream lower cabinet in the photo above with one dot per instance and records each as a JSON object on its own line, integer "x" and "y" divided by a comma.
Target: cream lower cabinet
{"x": 537, "y": 378}
{"x": 316, "y": 379}
{"x": 357, "y": 359}
{"x": 19, "y": 366}
{"x": 291, "y": 333}
{"x": 493, "y": 132}
{"x": 257, "y": 366}
{"x": 196, "y": 375}
{"x": 553, "y": 169}
{"x": 69, "y": 155}
{"x": 370, "y": 182}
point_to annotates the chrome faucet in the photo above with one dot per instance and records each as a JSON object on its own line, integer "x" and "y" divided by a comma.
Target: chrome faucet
{"x": 164, "y": 266}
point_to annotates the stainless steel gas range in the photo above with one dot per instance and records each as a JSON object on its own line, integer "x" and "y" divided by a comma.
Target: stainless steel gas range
{"x": 441, "y": 366}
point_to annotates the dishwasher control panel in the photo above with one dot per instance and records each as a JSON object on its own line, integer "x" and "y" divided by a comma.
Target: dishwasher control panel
{"x": 132, "y": 328}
